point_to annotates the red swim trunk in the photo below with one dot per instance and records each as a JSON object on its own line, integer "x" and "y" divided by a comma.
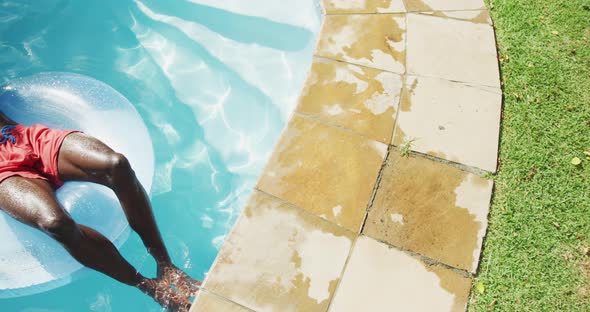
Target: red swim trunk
{"x": 31, "y": 152}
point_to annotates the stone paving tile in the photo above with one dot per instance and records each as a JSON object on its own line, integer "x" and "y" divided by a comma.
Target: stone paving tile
{"x": 452, "y": 49}
{"x": 327, "y": 171}
{"x": 365, "y": 6}
{"x": 362, "y": 99}
{"x": 478, "y": 16}
{"x": 444, "y": 5}
{"x": 374, "y": 40}
{"x": 206, "y": 302}
{"x": 380, "y": 278}
{"x": 450, "y": 120}
{"x": 280, "y": 258}
{"x": 432, "y": 209}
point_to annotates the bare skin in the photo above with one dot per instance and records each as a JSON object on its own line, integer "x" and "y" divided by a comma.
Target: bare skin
{"x": 84, "y": 158}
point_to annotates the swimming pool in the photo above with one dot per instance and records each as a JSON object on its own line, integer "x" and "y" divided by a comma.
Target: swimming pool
{"x": 214, "y": 81}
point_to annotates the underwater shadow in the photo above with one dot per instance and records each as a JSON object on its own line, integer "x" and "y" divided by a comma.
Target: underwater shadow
{"x": 237, "y": 27}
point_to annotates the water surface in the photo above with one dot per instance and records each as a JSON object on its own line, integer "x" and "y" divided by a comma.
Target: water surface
{"x": 214, "y": 81}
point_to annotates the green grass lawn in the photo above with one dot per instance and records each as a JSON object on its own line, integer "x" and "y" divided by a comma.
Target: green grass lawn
{"x": 535, "y": 257}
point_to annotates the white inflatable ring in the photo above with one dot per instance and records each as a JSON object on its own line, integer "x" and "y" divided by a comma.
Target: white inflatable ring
{"x": 30, "y": 261}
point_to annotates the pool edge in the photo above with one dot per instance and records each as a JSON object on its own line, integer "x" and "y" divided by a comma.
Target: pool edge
{"x": 458, "y": 274}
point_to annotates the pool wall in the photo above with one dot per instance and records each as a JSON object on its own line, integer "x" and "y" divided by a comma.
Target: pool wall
{"x": 376, "y": 196}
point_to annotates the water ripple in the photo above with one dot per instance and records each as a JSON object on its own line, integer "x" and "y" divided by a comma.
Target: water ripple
{"x": 213, "y": 91}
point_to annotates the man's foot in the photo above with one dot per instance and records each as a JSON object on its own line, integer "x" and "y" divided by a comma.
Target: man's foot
{"x": 165, "y": 294}
{"x": 180, "y": 280}
{"x": 148, "y": 286}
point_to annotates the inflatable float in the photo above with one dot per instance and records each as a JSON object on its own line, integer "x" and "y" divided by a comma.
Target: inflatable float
{"x": 30, "y": 261}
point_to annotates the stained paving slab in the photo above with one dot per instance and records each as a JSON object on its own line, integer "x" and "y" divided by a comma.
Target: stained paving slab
{"x": 366, "y": 6}
{"x": 373, "y": 40}
{"x": 280, "y": 258}
{"x": 432, "y": 209}
{"x": 361, "y": 99}
{"x": 381, "y": 278}
{"x": 450, "y": 120}
{"x": 375, "y": 198}
{"x": 324, "y": 170}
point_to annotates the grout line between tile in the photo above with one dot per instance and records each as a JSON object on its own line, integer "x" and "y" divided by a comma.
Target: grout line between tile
{"x": 404, "y": 78}
{"x": 425, "y": 259}
{"x": 365, "y": 13}
{"x": 406, "y": 11}
{"x": 356, "y": 64}
{"x": 402, "y": 96}
{"x": 454, "y": 10}
{"x": 432, "y": 13}
{"x": 305, "y": 211}
{"x": 466, "y": 83}
{"x": 329, "y": 124}
{"x": 331, "y": 59}
{"x": 477, "y": 171}
{"x": 375, "y": 189}
{"x": 341, "y": 276}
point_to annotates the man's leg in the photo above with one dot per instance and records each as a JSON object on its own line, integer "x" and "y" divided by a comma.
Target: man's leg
{"x": 84, "y": 158}
{"x": 33, "y": 202}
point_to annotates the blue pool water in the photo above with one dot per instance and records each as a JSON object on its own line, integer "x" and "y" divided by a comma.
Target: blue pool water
{"x": 214, "y": 81}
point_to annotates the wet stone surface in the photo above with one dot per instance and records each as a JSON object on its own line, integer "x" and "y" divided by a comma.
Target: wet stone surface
{"x": 325, "y": 170}
{"x": 366, "y": 6}
{"x": 280, "y": 258}
{"x": 432, "y": 209}
{"x": 381, "y": 278}
{"x": 426, "y": 220}
{"x": 358, "y": 98}
{"x": 373, "y": 40}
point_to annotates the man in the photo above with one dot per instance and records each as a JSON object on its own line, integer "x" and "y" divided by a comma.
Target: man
{"x": 35, "y": 161}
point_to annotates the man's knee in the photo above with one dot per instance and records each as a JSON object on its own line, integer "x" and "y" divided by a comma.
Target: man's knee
{"x": 58, "y": 226}
{"x": 118, "y": 163}
{"x": 118, "y": 168}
